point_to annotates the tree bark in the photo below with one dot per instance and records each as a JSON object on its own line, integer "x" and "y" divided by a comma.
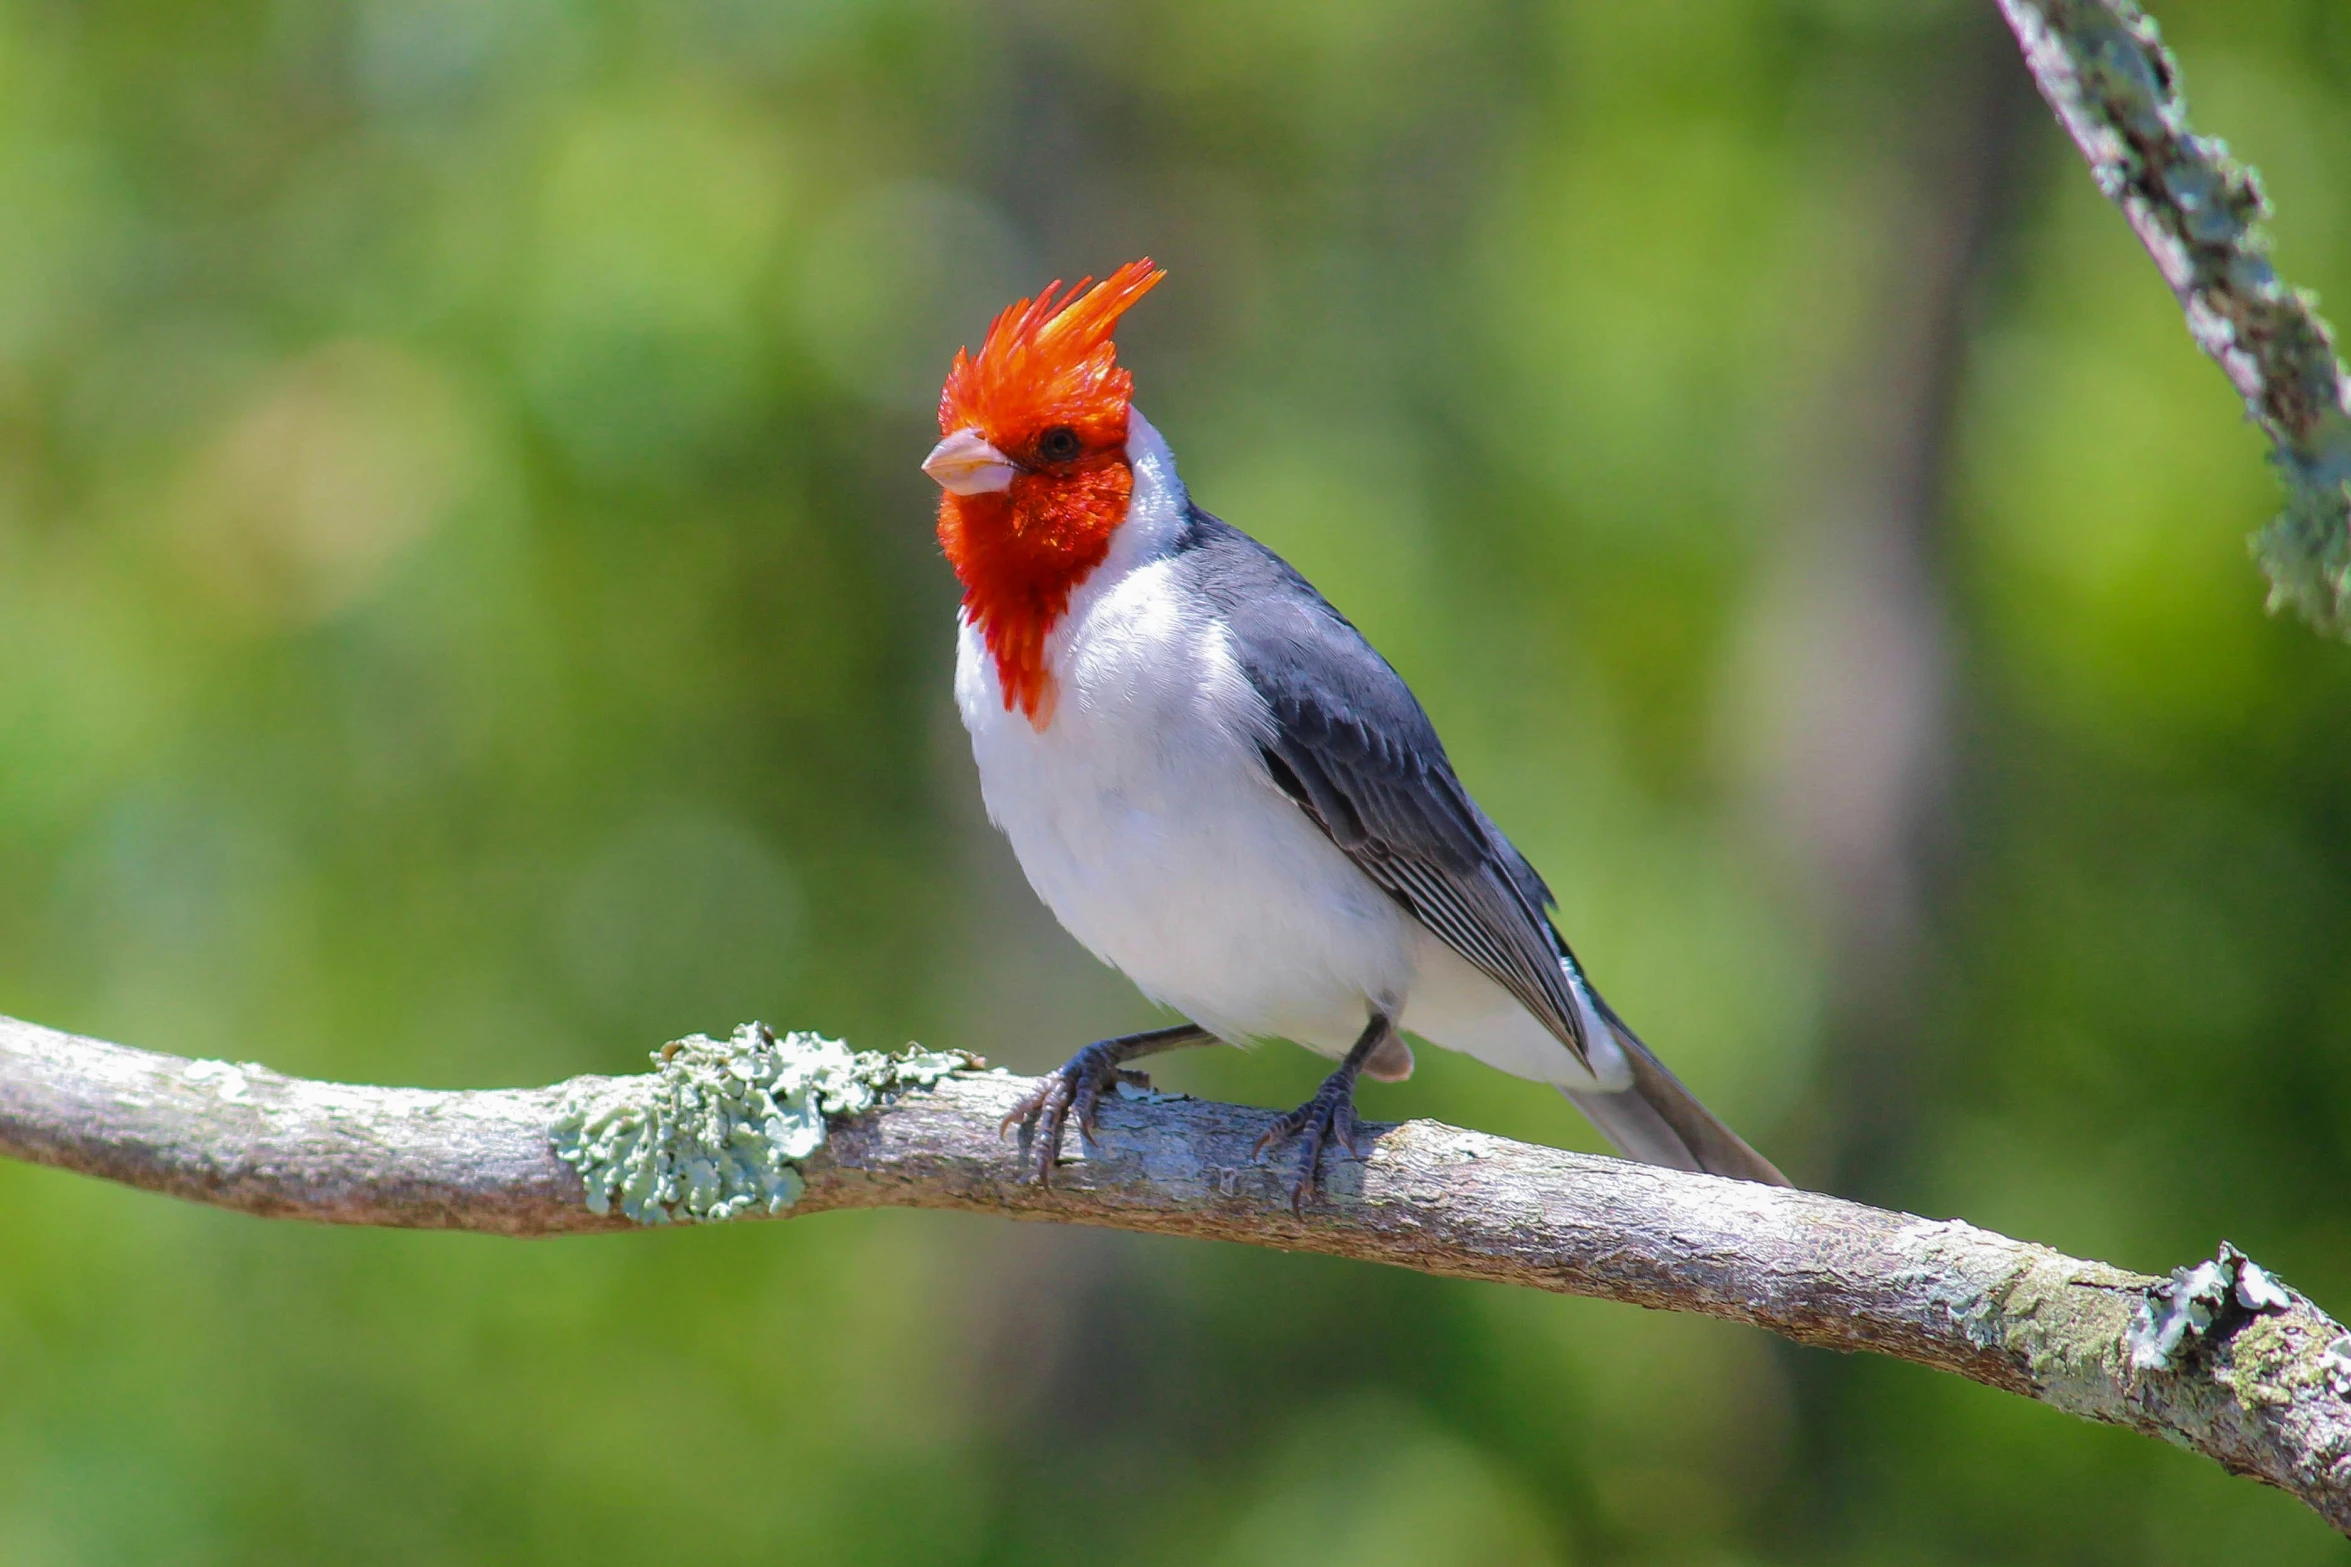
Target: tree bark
{"x": 2255, "y": 1379}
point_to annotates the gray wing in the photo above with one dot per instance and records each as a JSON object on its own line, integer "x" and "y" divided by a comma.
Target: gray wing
{"x": 1349, "y": 742}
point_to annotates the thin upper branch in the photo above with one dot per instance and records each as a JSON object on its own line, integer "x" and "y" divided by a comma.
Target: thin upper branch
{"x": 2249, "y": 1379}
{"x": 2104, "y": 70}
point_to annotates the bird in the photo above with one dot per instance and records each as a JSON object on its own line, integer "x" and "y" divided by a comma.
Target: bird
{"x": 1220, "y": 788}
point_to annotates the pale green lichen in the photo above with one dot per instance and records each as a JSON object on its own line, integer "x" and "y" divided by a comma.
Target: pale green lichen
{"x": 716, "y": 1130}
{"x": 2334, "y": 1363}
{"x": 2270, "y": 1365}
{"x": 2184, "y": 1307}
{"x": 2306, "y": 550}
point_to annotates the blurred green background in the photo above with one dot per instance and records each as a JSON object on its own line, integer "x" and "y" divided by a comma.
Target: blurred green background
{"x": 468, "y": 613}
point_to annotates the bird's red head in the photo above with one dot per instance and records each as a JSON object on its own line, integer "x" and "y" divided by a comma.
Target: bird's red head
{"x": 1034, "y": 468}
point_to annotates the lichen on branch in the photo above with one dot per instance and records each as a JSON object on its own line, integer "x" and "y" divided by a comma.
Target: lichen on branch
{"x": 2194, "y": 1301}
{"x": 2104, "y": 70}
{"x": 717, "y": 1131}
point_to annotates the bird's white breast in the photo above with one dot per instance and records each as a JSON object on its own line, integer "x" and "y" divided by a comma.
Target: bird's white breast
{"x": 1145, "y": 819}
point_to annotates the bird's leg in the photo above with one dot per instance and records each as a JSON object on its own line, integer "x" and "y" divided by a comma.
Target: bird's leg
{"x": 1329, "y": 1115}
{"x": 1080, "y": 1084}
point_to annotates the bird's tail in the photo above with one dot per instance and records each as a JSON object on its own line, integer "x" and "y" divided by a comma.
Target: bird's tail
{"x": 1658, "y": 1121}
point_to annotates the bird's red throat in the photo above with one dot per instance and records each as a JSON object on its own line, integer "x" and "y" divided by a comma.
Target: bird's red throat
{"x": 1021, "y": 553}
{"x": 1047, "y": 396}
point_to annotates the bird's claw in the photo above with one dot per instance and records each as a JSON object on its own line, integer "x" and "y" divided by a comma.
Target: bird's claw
{"x": 1078, "y": 1084}
{"x": 1328, "y": 1117}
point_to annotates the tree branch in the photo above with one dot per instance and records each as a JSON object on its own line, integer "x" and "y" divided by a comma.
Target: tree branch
{"x": 2220, "y": 1358}
{"x": 2103, "y": 68}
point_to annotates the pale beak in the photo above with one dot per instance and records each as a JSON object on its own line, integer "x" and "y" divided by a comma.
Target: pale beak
{"x": 965, "y": 464}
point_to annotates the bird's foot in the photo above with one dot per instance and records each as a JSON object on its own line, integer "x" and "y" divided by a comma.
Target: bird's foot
{"x": 1328, "y": 1117}
{"x": 1078, "y": 1084}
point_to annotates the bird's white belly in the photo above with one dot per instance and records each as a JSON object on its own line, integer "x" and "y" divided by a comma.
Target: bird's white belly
{"x": 1145, "y": 820}
{"x": 1458, "y": 1006}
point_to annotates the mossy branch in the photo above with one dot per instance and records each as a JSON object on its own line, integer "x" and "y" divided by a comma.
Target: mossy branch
{"x": 2104, "y": 70}
{"x": 2220, "y": 1358}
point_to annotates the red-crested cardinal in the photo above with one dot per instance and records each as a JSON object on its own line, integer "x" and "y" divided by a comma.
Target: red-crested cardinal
{"x": 1221, "y": 789}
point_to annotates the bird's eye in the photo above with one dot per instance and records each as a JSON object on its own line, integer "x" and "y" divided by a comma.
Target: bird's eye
{"x": 1059, "y": 444}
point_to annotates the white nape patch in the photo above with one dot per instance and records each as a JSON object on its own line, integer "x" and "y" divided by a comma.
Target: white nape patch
{"x": 1144, "y": 817}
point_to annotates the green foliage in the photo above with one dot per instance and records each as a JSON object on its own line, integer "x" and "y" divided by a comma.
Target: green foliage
{"x": 468, "y": 612}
